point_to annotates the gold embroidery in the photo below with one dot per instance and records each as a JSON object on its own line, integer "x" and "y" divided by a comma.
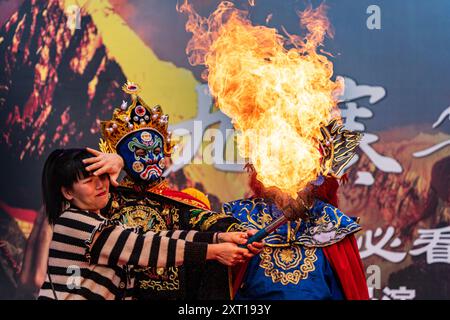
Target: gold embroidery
{"x": 151, "y": 215}
{"x": 175, "y": 218}
{"x": 211, "y": 220}
{"x": 286, "y": 259}
{"x": 168, "y": 279}
{"x": 160, "y": 271}
{"x": 159, "y": 187}
{"x": 266, "y": 219}
{"x": 234, "y": 227}
{"x": 143, "y": 216}
{"x": 263, "y": 218}
{"x": 196, "y": 219}
{"x": 328, "y": 221}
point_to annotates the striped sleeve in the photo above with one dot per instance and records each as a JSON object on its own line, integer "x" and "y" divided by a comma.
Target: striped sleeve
{"x": 191, "y": 235}
{"x": 112, "y": 245}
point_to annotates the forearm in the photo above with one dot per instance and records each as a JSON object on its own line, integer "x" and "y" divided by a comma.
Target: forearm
{"x": 191, "y": 235}
{"x": 119, "y": 246}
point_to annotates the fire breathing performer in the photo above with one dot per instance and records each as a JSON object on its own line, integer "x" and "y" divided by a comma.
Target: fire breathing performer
{"x": 281, "y": 99}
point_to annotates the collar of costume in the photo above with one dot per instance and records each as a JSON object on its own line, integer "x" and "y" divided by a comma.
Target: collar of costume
{"x": 161, "y": 188}
{"x": 326, "y": 225}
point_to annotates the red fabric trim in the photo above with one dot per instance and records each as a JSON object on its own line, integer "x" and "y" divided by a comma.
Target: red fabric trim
{"x": 237, "y": 276}
{"x": 327, "y": 191}
{"x": 181, "y": 196}
{"x": 27, "y": 215}
{"x": 346, "y": 262}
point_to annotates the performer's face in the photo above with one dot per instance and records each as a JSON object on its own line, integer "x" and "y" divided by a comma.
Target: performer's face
{"x": 143, "y": 154}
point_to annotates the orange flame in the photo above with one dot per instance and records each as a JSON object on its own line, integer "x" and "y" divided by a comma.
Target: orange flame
{"x": 276, "y": 89}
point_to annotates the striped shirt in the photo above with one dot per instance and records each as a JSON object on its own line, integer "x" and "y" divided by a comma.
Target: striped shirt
{"x": 89, "y": 255}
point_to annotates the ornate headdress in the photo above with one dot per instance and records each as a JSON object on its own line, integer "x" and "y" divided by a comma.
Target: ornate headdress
{"x": 337, "y": 147}
{"x": 132, "y": 118}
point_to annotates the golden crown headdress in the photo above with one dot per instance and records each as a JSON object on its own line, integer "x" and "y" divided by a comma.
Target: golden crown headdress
{"x": 337, "y": 146}
{"x": 137, "y": 116}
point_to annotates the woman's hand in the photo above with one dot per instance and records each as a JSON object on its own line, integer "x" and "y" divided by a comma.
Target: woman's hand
{"x": 241, "y": 238}
{"x": 227, "y": 253}
{"x": 110, "y": 163}
{"x": 233, "y": 237}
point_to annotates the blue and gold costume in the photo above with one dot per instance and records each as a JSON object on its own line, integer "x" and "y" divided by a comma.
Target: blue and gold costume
{"x": 292, "y": 264}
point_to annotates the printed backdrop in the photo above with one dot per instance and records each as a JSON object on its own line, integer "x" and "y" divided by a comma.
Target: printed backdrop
{"x": 62, "y": 64}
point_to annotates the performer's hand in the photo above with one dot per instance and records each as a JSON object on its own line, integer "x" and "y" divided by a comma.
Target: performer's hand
{"x": 227, "y": 253}
{"x": 110, "y": 163}
{"x": 254, "y": 247}
{"x": 242, "y": 238}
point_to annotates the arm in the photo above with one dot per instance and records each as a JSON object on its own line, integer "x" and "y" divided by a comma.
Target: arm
{"x": 115, "y": 245}
{"x": 191, "y": 235}
{"x": 238, "y": 238}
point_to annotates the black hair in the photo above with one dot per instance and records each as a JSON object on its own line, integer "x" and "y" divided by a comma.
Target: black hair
{"x": 62, "y": 168}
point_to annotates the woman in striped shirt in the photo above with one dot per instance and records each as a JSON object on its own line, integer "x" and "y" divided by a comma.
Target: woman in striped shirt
{"x": 89, "y": 255}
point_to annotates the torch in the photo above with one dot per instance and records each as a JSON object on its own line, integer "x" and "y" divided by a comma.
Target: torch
{"x": 261, "y": 234}
{"x": 264, "y": 232}
{"x": 291, "y": 209}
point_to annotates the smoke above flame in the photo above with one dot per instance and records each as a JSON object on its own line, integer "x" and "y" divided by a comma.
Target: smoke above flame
{"x": 277, "y": 89}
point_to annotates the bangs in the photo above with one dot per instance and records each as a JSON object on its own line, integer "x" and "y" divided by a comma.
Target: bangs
{"x": 63, "y": 168}
{"x": 74, "y": 169}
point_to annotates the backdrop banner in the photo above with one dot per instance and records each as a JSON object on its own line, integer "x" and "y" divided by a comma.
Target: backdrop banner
{"x": 62, "y": 64}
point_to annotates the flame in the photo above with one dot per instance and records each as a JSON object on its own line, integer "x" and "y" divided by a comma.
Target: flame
{"x": 276, "y": 89}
